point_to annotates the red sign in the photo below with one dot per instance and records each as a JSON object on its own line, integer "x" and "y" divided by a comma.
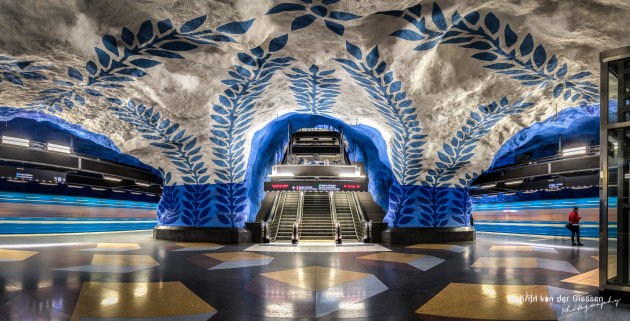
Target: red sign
{"x": 279, "y": 185}
{"x": 352, "y": 186}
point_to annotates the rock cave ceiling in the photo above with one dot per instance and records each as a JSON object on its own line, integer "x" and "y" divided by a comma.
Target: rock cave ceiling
{"x": 184, "y": 85}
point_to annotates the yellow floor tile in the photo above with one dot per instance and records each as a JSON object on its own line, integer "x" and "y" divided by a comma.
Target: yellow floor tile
{"x": 612, "y": 265}
{"x": 487, "y": 301}
{"x": 15, "y": 255}
{"x": 193, "y": 245}
{"x": 118, "y": 246}
{"x": 392, "y": 257}
{"x": 507, "y": 262}
{"x": 430, "y": 246}
{"x": 137, "y": 300}
{"x": 590, "y": 278}
{"x": 123, "y": 260}
{"x": 315, "y": 278}
{"x": 512, "y": 248}
{"x": 236, "y": 256}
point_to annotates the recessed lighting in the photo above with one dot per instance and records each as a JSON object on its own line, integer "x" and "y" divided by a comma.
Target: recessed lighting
{"x": 58, "y": 148}
{"x": 15, "y": 141}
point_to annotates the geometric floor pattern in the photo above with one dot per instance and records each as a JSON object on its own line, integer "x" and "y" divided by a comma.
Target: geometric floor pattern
{"x": 229, "y": 260}
{"x": 392, "y": 259}
{"x": 525, "y": 263}
{"x": 317, "y": 248}
{"x": 132, "y": 277}
{"x": 115, "y": 264}
{"x": 15, "y": 255}
{"x": 525, "y": 248}
{"x": 330, "y": 289}
{"x": 187, "y": 247}
{"x": 445, "y": 247}
{"x": 112, "y": 247}
{"x": 109, "y": 301}
{"x": 496, "y": 302}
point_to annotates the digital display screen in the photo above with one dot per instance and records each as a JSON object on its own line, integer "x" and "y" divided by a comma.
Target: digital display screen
{"x": 555, "y": 186}
{"x": 30, "y": 174}
{"x": 321, "y": 186}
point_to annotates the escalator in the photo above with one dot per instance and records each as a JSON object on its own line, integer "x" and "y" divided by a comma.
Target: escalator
{"x": 348, "y": 217}
{"x": 316, "y": 187}
{"x": 286, "y": 211}
{"x": 316, "y": 223}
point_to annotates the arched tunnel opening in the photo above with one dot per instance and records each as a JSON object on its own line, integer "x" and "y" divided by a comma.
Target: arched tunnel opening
{"x": 361, "y": 145}
{"x": 314, "y": 159}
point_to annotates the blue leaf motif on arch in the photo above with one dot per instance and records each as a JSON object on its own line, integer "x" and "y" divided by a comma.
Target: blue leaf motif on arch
{"x": 183, "y": 152}
{"x": 231, "y": 117}
{"x": 16, "y": 72}
{"x": 122, "y": 60}
{"x": 444, "y": 199}
{"x": 525, "y": 62}
{"x": 369, "y": 71}
{"x": 332, "y": 19}
{"x": 315, "y": 91}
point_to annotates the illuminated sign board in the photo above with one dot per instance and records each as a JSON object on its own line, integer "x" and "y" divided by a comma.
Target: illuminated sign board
{"x": 319, "y": 186}
{"x": 32, "y": 174}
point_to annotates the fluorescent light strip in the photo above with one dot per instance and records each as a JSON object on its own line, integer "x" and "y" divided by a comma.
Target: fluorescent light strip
{"x": 488, "y": 186}
{"x": 111, "y": 178}
{"x": 514, "y": 182}
{"x": 143, "y": 184}
{"x": 58, "y": 148}
{"x": 282, "y": 175}
{"x": 15, "y": 141}
{"x": 350, "y": 175}
{"x": 574, "y": 151}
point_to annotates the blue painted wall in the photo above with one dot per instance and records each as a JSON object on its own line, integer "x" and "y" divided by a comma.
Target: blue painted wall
{"x": 365, "y": 145}
{"x": 578, "y": 126}
{"x": 40, "y": 127}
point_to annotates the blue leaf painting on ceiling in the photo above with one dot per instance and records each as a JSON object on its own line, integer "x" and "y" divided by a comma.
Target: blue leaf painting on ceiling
{"x": 184, "y": 154}
{"x": 332, "y": 19}
{"x": 231, "y": 118}
{"x": 500, "y": 47}
{"x": 122, "y": 60}
{"x": 14, "y": 71}
{"x": 315, "y": 91}
{"x": 370, "y": 72}
{"x": 446, "y": 202}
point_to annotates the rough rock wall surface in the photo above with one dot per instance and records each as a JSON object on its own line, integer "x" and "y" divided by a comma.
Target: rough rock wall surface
{"x": 184, "y": 85}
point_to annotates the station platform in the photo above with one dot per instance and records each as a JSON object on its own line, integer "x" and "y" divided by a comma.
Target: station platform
{"x": 110, "y": 276}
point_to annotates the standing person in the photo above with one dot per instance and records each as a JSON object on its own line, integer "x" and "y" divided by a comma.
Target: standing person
{"x": 574, "y": 220}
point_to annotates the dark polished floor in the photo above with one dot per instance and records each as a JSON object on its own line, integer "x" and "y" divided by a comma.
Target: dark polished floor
{"x": 130, "y": 275}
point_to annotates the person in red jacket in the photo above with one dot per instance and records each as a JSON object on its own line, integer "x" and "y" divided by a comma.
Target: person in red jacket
{"x": 574, "y": 220}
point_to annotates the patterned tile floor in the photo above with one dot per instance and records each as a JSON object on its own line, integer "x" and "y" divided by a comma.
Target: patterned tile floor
{"x": 130, "y": 276}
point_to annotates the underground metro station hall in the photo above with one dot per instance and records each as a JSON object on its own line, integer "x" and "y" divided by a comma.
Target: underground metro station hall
{"x": 196, "y": 160}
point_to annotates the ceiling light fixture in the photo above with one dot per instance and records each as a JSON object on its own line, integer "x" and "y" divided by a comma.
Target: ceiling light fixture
{"x": 15, "y": 141}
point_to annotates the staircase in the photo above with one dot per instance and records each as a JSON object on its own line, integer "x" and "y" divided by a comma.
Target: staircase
{"x": 286, "y": 213}
{"x": 345, "y": 216}
{"x": 316, "y": 221}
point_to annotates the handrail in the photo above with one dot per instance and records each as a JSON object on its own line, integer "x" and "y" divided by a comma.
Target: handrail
{"x": 333, "y": 210}
{"x": 298, "y": 217}
{"x": 275, "y": 235}
{"x": 272, "y": 215}
{"x": 274, "y": 207}
{"x": 360, "y": 216}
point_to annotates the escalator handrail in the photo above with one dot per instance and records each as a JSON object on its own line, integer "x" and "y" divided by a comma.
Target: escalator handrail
{"x": 275, "y": 235}
{"x": 298, "y": 216}
{"x": 360, "y": 216}
{"x": 333, "y": 210}
{"x": 274, "y": 208}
